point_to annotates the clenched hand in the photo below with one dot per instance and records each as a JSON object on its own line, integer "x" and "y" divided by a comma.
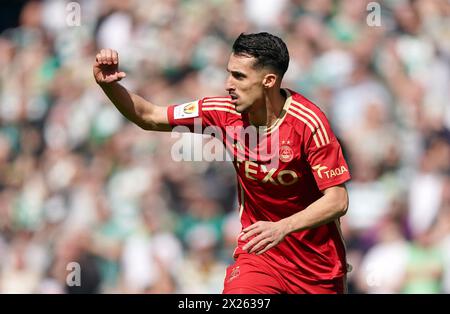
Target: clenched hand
{"x": 106, "y": 67}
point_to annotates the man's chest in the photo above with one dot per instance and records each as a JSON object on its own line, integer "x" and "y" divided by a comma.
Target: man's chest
{"x": 271, "y": 158}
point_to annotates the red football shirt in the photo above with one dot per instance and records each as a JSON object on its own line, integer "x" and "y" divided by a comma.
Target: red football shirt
{"x": 280, "y": 174}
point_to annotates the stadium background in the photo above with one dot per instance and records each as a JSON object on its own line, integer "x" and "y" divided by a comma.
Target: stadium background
{"x": 78, "y": 183}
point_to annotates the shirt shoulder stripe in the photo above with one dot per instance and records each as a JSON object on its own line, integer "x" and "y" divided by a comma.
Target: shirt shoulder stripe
{"x": 215, "y": 104}
{"x": 308, "y": 123}
{"x": 317, "y": 121}
{"x": 217, "y": 108}
{"x": 217, "y": 99}
{"x": 305, "y": 114}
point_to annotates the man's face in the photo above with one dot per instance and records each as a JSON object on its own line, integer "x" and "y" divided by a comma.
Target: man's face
{"x": 245, "y": 83}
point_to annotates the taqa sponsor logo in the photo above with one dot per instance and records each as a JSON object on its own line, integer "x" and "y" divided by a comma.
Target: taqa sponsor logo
{"x": 322, "y": 171}
{"x": 257, "y": 172}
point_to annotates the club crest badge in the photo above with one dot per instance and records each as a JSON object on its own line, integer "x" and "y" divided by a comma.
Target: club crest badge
{"x": 286, "y": 152}
{"x": 234, "y": 273}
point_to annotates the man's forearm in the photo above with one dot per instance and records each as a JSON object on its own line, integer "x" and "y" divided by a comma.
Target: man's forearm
{"x": 264, "y": 235}
{"x": 329, "y": 207}
{"x": 132, "y": 106}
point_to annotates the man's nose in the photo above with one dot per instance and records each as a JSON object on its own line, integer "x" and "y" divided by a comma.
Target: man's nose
{"x": 229, "y": 86}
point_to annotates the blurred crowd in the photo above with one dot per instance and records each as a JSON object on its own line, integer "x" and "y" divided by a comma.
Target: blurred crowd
{"x": 79, "y": 183}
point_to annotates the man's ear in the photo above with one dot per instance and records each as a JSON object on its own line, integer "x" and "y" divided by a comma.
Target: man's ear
{"x": 269, "y": 80}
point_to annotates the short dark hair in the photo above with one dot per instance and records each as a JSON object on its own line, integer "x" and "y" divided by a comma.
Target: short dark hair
{"x": 269, "y": 50}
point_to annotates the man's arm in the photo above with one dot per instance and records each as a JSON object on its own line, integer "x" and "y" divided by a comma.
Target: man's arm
{"x": 332, "y": 205}
{"x": 136, "y": 109}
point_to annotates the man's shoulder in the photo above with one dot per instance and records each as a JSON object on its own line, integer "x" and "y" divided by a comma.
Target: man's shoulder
{"x": 306, "y": 115}
{"x": 301, "y": 101}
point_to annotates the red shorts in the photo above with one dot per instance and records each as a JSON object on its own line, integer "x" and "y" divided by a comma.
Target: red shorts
{"x": 250, "y": 274}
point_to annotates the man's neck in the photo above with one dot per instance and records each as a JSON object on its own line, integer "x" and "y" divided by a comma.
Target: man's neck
{"x": 266, "y": 113}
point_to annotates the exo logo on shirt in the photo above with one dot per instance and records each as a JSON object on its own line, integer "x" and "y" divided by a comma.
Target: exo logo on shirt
{"x": 254, "y": 171}
{"x": 329, "y": 173}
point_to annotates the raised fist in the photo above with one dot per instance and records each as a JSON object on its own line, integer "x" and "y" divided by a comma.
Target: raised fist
{"x": 106, "y": 67}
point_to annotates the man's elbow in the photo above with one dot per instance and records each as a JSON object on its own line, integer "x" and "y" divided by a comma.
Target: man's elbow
{"x": 156, "y": 120}
{"x": 343, "y": 207}
{"x": 342, "y": 203}
{"x": 146, "y": 126}
{"x": 142, "y": 124}
{"x": 145, "y": 121}
{"x": 339, "y": 197}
